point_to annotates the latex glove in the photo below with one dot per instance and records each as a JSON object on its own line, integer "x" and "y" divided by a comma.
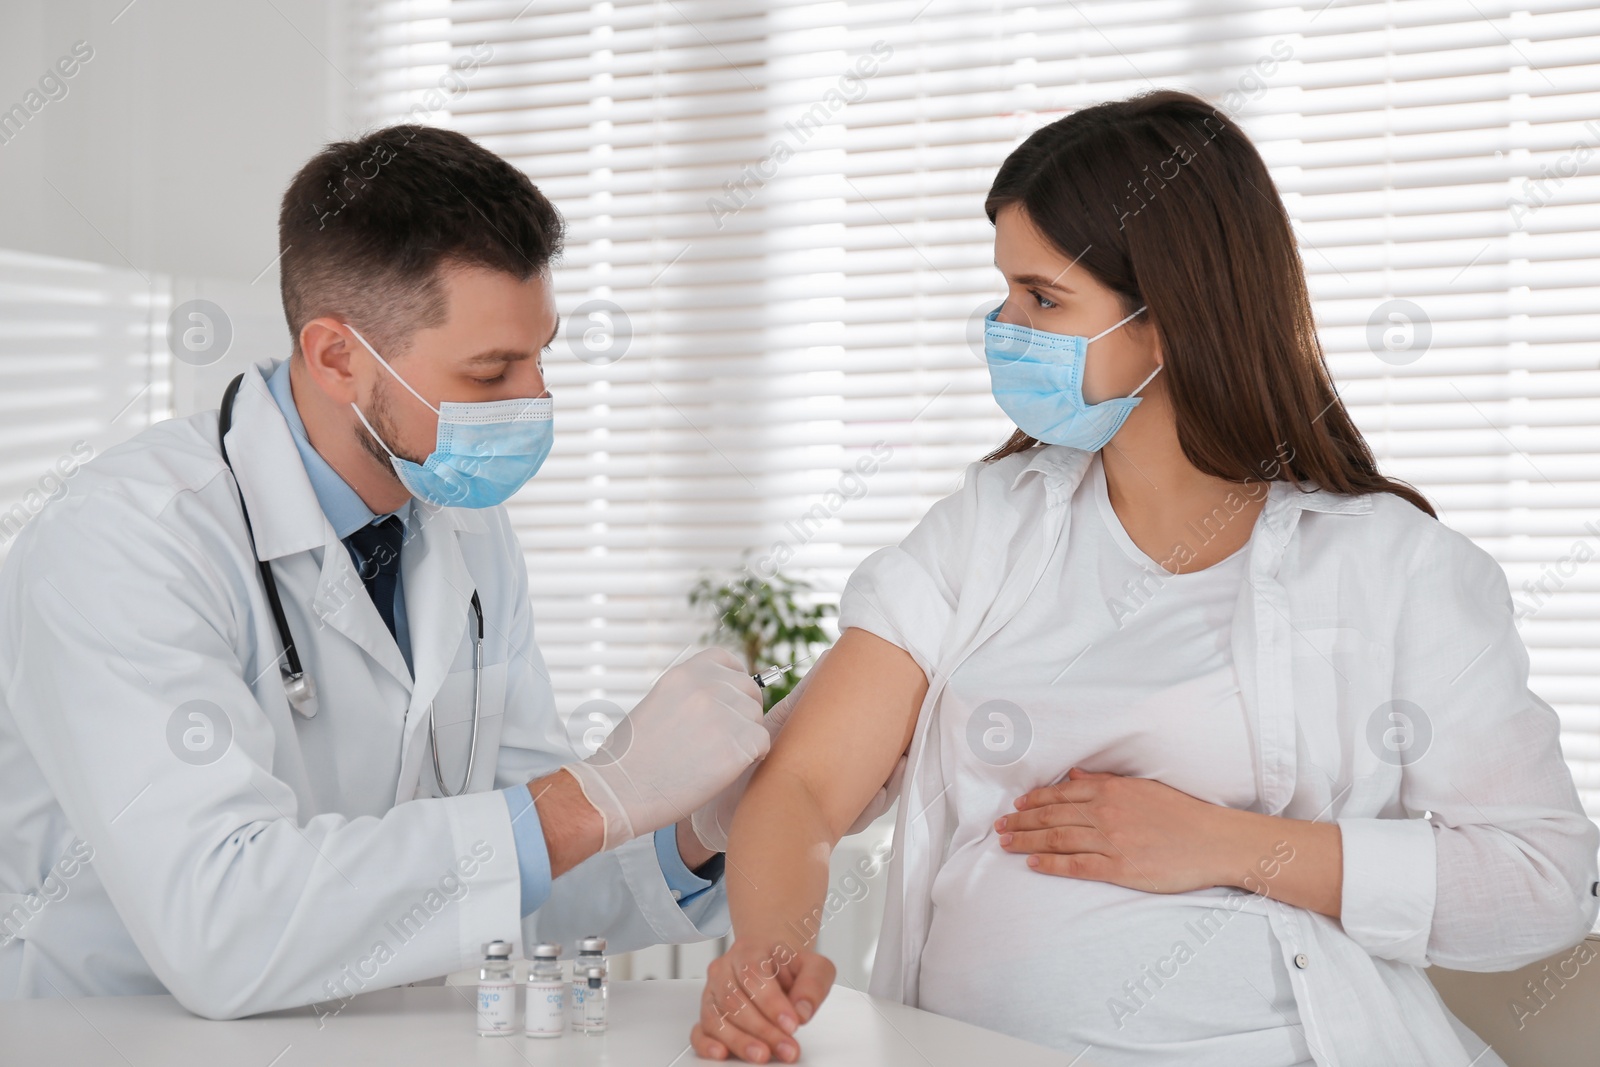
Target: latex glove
{"x": 697, "y": 730}
{"x": 712, "y": 822}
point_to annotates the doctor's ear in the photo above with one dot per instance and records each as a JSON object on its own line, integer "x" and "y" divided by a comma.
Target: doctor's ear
{"x": 328, "y": 349}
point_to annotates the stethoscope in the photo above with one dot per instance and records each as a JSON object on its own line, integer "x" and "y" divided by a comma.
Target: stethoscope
{"x": 297, "y": 684}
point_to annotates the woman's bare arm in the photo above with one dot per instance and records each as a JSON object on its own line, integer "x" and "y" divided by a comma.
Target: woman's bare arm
{"x": 834, "y": 753}
{"x": 837, "y": 749}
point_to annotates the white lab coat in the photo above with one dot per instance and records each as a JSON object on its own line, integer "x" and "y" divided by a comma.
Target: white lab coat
{"x": 313, "y": 859}
{"x": 1350, "y": 603}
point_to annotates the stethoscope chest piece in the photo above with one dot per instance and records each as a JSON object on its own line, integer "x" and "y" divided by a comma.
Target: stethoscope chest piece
{"x": 302, "y": 693}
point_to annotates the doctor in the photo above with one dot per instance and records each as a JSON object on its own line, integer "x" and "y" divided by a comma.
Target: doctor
{"x": 274, "y": 728}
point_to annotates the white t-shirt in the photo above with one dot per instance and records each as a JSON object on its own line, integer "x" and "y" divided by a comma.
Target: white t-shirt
{"x": 1113, "y": 664}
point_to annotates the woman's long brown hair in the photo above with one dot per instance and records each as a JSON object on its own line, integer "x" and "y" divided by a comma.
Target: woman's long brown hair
{"x": 1164, "y": 200}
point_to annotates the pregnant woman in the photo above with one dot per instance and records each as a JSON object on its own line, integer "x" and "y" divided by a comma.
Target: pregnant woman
{"x": 1213, "y": 735}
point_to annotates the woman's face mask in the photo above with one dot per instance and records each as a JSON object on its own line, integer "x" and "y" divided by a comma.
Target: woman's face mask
{"x": 483, "y": 452}
{"x": 1037, "y": 379}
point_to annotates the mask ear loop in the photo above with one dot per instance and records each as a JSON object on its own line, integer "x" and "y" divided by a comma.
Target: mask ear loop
{"x": 1091, "y": 340}
{"x": 1145, "y": 382}
{"x": 1107, "y": 330}
{"x": 418, "y": 395}
{"x": 357, "y": 408}
{"x": 374, "y": 433}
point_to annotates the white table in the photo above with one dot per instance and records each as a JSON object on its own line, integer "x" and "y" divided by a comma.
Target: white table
{"x": 434, "y": 1025}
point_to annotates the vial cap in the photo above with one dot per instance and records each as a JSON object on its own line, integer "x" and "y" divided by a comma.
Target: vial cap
{"x": 546, "y": 952}
{"x": 497, "y": 949}
{"x": 595, "y": 974}
{"x": 592, "y": 944}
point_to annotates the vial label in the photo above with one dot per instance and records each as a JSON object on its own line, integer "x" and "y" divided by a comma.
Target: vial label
{"x": 547, "y": 1008}
{"x": 497, "y": 1008}
{"x": 576, "y": 1004}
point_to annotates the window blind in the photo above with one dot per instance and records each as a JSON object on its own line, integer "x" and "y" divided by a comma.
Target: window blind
{"x": 778, "y": 258}
{"x": 82, "y": 367}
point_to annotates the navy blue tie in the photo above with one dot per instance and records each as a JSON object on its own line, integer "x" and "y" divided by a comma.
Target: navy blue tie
{"x": 375, "y": 550}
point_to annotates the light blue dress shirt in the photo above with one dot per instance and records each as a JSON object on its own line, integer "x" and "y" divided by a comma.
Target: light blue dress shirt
{"x": 347, "y": 513}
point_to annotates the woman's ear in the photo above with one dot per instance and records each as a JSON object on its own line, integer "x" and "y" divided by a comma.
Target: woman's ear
{"x": 1149, "y": 336}
{"x": 1144, "y": 336}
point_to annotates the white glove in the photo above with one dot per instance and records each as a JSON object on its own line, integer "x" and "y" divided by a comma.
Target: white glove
{"x": 712, "y": 822}
{"x": 697, "y": 729}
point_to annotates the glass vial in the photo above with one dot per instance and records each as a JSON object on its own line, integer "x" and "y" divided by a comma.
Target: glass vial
{"x": 546, "y": 1006}
{"x": 591, "y": 953}
{"x": 497, "y": 991}
{"x": 594, "y": 1001}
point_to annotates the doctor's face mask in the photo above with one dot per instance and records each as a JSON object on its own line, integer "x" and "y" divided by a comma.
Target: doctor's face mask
{"x": 1037, "y": 379}
{"x": 483, "y": 452}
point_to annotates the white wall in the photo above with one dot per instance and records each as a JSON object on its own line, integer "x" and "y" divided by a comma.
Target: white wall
{"x": 171, "y": 146}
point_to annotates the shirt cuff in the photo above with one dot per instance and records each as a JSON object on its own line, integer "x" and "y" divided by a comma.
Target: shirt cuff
{"x": 533, "y": 857}
{"x": 683, "y": 882}
{"x": 1389, "y": 885}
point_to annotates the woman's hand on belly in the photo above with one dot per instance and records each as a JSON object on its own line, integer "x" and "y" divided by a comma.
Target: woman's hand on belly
{"x": 755, "y": 999}
{"x": 1143, "y": 834}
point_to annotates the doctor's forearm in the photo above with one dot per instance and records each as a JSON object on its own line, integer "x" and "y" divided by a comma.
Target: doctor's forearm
{"x": 573, "y": 829}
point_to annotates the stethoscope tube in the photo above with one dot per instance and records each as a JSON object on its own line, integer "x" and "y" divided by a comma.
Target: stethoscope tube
{"x": 297, "y": 684}
{"x": 477, "y": 682}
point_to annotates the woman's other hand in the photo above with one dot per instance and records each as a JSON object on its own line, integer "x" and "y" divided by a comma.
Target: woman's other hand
{"x": 756, "y": 998}
{"x": 1142, "y": 834}
{"x": 1134, "y": 832}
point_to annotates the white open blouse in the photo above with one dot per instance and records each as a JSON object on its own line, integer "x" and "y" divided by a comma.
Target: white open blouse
{"x": 1465, "y": 847}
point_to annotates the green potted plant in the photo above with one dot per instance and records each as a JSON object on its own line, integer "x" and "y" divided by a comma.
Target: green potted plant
{"x": 771, "y": 621}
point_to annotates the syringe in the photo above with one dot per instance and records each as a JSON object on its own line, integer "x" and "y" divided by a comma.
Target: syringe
{"x": 772, "y": 674}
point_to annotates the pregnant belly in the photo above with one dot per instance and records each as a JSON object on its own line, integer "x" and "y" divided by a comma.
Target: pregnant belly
{"x": 1141, "y": 977}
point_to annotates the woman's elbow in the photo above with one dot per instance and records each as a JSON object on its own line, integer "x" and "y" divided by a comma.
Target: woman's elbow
{"x": 1537, "y": 920}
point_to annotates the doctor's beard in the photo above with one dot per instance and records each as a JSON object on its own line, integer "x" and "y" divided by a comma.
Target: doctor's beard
{"x": 378, "y": 415}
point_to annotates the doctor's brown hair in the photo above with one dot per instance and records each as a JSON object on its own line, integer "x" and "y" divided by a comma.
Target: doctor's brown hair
{"x": 1164, "y": 200}
{"x": 367, "y": 226}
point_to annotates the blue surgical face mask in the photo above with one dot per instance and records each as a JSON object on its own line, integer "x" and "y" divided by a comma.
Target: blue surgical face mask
{"x": 482, "y": 452}
{"x": 1037, "y": 378}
